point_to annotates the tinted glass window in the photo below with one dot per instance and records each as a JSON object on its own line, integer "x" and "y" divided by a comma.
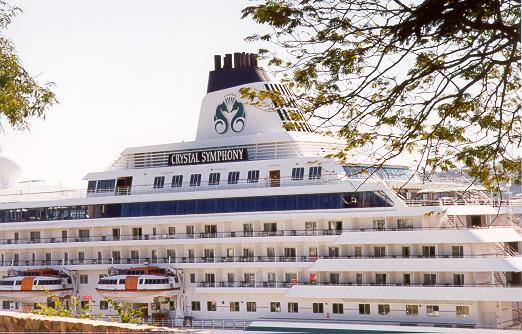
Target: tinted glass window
{"x": 253, "y": 176}
{"x": 213, "y": 179}
{"x": 159, "y": 182}
{"x": 195, "y": 180}
{"x": 233, "y": 177}
{"x": 177, "y": 181}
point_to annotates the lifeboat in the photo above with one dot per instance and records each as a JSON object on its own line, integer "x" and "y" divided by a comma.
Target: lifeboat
{"x": 34, "y": 286}
{"x": 139, "y": 285}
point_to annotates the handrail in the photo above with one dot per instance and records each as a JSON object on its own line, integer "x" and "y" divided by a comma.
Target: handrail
{"x": 326, "y": 178}
{"x": 216, "y": 235}
{"x": 286, "y": 285}
{"x": 223, "y": 259}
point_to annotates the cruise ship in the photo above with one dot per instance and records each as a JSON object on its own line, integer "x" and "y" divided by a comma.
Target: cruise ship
{"x": 256, "y": 220}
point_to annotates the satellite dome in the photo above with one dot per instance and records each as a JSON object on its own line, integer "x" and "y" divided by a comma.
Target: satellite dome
{"x": 9, "y": 172}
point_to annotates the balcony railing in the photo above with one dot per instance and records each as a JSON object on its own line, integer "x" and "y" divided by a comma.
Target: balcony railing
{"x": 21, "y": 196}
{"x": 219, "y": 259}
{"x": 212, "y": 235}
{"x": 286, "y": 285}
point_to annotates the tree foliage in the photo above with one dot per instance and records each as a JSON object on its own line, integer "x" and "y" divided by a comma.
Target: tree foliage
{"x": 21, "y": 96}
{"x": 435, "y": 79}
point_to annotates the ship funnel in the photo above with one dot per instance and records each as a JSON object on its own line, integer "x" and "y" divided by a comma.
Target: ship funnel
{"x": 237, "y": 69}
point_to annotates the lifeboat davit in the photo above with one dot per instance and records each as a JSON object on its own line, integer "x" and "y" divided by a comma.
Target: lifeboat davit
{"x": 34, "y": 286}
{"x": 139, "y": 285}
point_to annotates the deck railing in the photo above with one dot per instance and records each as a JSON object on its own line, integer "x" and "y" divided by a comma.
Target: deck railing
{"x": 226, "y": 259}
{"x": 286, "y": 285}
{"x": 220, "y": 235}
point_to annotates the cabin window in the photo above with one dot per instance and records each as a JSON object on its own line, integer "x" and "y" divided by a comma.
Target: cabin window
{"x": 171, "y": 255}
{"x": 412, "y": 309}
{"x": 251, "y": 306}
{"x": 159, "y": 182}
{"x": 457, "y": 251}
{"x": 213, "y": 179}
{"x": 318, "y": 307}
{"x": 462, "y": 311}
{"x": 379, "y": 251}
{"x": 275, "y": 307}
{"x": 432, "y": 310}
{"x": 195, "y": 180}
{"x": 364, "y": 309}
{"x": 6, "y": 305}
{"x": 383, "y": 309}
{"x": 430, "y": 279}
{"x": 233, "y": 177}
{"x": 253, "y": 176}
{"x": 84, "y": 279}
{"x": 234, "y": 306}
{"x": 337, "y": 308}
{"x": 211, "y": 306}
{"x": 428, "y": 251}
{"x": 314, "y": 172}
{"x": 172, "y": 230}
{"x": 458, "y": 279}
{"x": 405, "y": 224}
{"x": 405, "y": 251}
{"x": 293, "y": 307}
{"x": 297, "y": 173}
{"x": 104, "y": 305}
{"x": 177, "y": 181}
{"x": 84, "y": 235}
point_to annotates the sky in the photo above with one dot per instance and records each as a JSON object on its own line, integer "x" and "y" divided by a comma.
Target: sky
{"x": 126, "y": 73}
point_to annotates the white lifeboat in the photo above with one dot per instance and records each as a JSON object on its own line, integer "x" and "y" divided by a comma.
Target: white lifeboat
{"x": 139, "y": 285}
{"x": 34, "y": 286}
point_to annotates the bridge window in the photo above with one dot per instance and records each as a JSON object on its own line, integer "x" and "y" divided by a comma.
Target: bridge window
{"x": 177, "y": 181}
{"x": 315, "y": 172}
{"x": 213, "y": 179}
{"x": 105, "y": 186}
{"x": 253, "y": 176}
{"x": 159, "y": 182}
{"x": 233, "y": 177}
{"x": 297, "y": 173}
{"x": 195, "y": 180}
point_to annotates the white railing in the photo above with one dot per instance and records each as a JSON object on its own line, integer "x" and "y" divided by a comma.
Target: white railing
{"x": 167, "y": 188}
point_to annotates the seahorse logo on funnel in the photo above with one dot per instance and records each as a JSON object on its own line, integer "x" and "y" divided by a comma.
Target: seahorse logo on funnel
{"x": 229, "y": 113}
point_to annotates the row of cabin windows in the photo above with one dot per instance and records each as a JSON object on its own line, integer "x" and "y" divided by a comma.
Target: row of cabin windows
{"x": 337, "y": 308}
{"x": 122, "y": 281}
{"x": 35, "y": 282}
{"x": 314, "y": 173}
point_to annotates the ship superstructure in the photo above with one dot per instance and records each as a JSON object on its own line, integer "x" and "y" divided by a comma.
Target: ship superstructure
{"x": 254, "y": 220}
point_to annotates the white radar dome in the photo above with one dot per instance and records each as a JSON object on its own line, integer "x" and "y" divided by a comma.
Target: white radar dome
{"x": 9, "y": 172}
